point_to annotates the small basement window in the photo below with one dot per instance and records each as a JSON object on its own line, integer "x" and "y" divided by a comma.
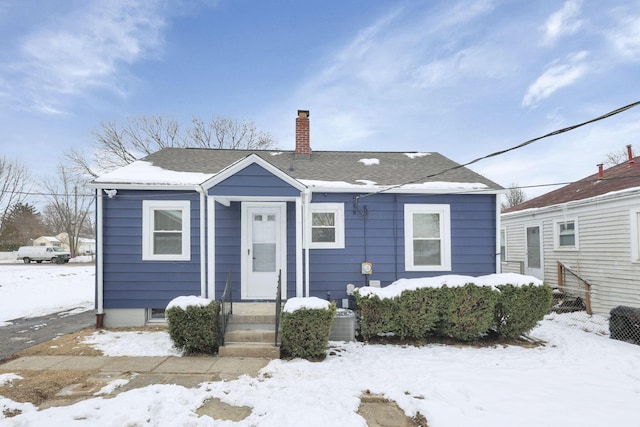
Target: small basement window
{"x": 327, "y": 225}
{"x": 155, "y": 315}
{"x": 165, "y": 230}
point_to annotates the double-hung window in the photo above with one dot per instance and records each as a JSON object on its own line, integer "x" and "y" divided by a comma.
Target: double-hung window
{"x": 326, "y": 225}
{"x": 427, "y": 237}
{"x": 566, "y": 234}
{"x": 165, "y": 230}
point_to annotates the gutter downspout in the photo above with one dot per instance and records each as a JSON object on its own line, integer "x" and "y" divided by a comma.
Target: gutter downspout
{"x": 203, "y": 246}
{"x": 498, "y": 233}
{"x": 99, "y": 262}
{"x": 305, "y": 227}
{"x": 299, "y": 246}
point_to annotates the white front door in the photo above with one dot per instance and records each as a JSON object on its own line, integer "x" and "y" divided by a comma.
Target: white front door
{"x": 534, "y": 261}
{"x": 264, "y": 249}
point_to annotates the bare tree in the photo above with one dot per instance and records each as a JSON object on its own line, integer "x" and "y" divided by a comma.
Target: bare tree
{"x": 15, "y": 184}
{"x": 70, "y": 203}
{"x": 615, "y": 157}
{"x": 514, "y": 197}
{"x": 118, "y": 145}
{"x": 222, "y": 132}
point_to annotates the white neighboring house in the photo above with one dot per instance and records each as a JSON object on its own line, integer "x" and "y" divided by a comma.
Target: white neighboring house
{"x": 591, "y": 226}
{"x": 86, "y": 246}
{"x": 48, "y": 241}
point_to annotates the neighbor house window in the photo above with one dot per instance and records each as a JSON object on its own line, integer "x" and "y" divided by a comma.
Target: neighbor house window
{"x": 427, "y": 237}
{"x": 327, "y": 225}
{"x": 165, "y": 230}
{"x": 566, "y": 236}
{"x": 503, "y": 244}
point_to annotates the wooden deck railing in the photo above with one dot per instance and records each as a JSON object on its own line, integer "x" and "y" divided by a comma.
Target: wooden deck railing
{"x": 563, "y": 269}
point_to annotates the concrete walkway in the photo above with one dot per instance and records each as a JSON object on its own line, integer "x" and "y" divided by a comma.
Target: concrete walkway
{"x": 189, "y": 371}
{"x": 138, "y": 371}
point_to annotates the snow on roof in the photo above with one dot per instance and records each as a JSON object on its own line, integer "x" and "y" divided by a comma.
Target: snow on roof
{"x": 186, "y": 301}
{"x": 450, "y": 280}
{"x": 142, "y": 172}
{"x": 598, "y": 198}
{"x": 434, "y": 185}
{"x": 416, "y": 155}
{"x": 370, "y": 162}
{"x": 311, "y": 303}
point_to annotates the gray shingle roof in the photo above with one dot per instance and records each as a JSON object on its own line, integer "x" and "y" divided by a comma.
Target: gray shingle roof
{"x": 394, "y": 168}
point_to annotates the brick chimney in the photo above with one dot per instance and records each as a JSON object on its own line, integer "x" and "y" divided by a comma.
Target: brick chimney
{"x": 303, "y": 148}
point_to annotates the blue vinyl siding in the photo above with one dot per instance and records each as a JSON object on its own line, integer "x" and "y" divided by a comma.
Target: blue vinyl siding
{"x": 473, "y": 235}
{"x": 130, "y": 282}
{"x": 254, "y": 180}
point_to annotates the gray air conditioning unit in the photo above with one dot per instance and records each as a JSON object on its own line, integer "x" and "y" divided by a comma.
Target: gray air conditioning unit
{"x": 344, "y": 326}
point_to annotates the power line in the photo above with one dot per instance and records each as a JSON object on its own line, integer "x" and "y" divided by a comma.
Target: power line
{"x": 524, "y": 144}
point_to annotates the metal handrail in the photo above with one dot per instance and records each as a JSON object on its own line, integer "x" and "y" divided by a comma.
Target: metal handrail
{"x": 226, "y": 306}
{"x": 562, "y": 269}
{"x": 278, "y": 305}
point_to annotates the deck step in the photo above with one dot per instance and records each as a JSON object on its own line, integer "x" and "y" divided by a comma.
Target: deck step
{"x": 250, "y": 335}
{"x": 252, "y": 319}
{"x": 251, "y": 331}
{"x": 233, "y": 349}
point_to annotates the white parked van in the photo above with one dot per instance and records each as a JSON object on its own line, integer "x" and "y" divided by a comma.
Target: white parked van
{"x": 43, "y": 253}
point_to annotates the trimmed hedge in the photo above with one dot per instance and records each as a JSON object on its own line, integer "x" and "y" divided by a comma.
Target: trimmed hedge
{"x": 464, "y": 313}
{"x": 519, "y": 308}
{"x": 196, "y": 329}
{"x": 305, "y": 332}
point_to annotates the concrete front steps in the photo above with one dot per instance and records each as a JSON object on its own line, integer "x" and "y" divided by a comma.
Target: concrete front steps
{"x": 251, "y": 332}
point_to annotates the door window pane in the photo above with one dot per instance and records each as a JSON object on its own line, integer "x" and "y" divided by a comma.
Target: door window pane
{"x": 264, "y": 243}
{"x": 264, "y": 257}
{"x": 533, "y": 247}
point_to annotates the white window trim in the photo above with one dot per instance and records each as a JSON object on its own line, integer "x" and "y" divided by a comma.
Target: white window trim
{"x": 633, "y": 230}
{"x": 338, "y": 210}
{"x": 148, "y": 206}
{"x": 445, "y": 236}
{"x": 556, "y": 235}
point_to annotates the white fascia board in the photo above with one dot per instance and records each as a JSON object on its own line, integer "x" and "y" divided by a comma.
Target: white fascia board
{"x": 241, "y": 164}
{"x": 605, "y": 198}
{"x": 123, "y": 186}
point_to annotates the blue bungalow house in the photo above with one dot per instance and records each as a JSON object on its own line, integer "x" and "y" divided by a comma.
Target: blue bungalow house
{"x": 178, "y": 221}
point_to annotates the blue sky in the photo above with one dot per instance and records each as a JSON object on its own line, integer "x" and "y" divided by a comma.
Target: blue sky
{"x": 463, "y": 78}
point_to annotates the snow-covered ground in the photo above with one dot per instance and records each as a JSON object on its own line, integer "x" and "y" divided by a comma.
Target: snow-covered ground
{"x": 578, "y": 378}
{"x": 31, "y": 290}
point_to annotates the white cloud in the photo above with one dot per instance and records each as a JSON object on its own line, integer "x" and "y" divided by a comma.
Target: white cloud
{"x": 83, "y": 51}
{"x": 626, "y": 37}
{"x": 557, "y": 76}
{"x": 563, "y": 22}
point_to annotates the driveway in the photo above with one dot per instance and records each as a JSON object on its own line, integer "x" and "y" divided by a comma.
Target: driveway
{"x": 27, "y": 332}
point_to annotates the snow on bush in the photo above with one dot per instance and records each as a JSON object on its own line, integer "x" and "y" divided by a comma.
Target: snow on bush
{"x": 450, "y": 280}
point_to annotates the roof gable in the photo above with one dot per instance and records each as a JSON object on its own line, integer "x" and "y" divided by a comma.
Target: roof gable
{"x": 617, "y": 178}
{"x": 249, "y": 160}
